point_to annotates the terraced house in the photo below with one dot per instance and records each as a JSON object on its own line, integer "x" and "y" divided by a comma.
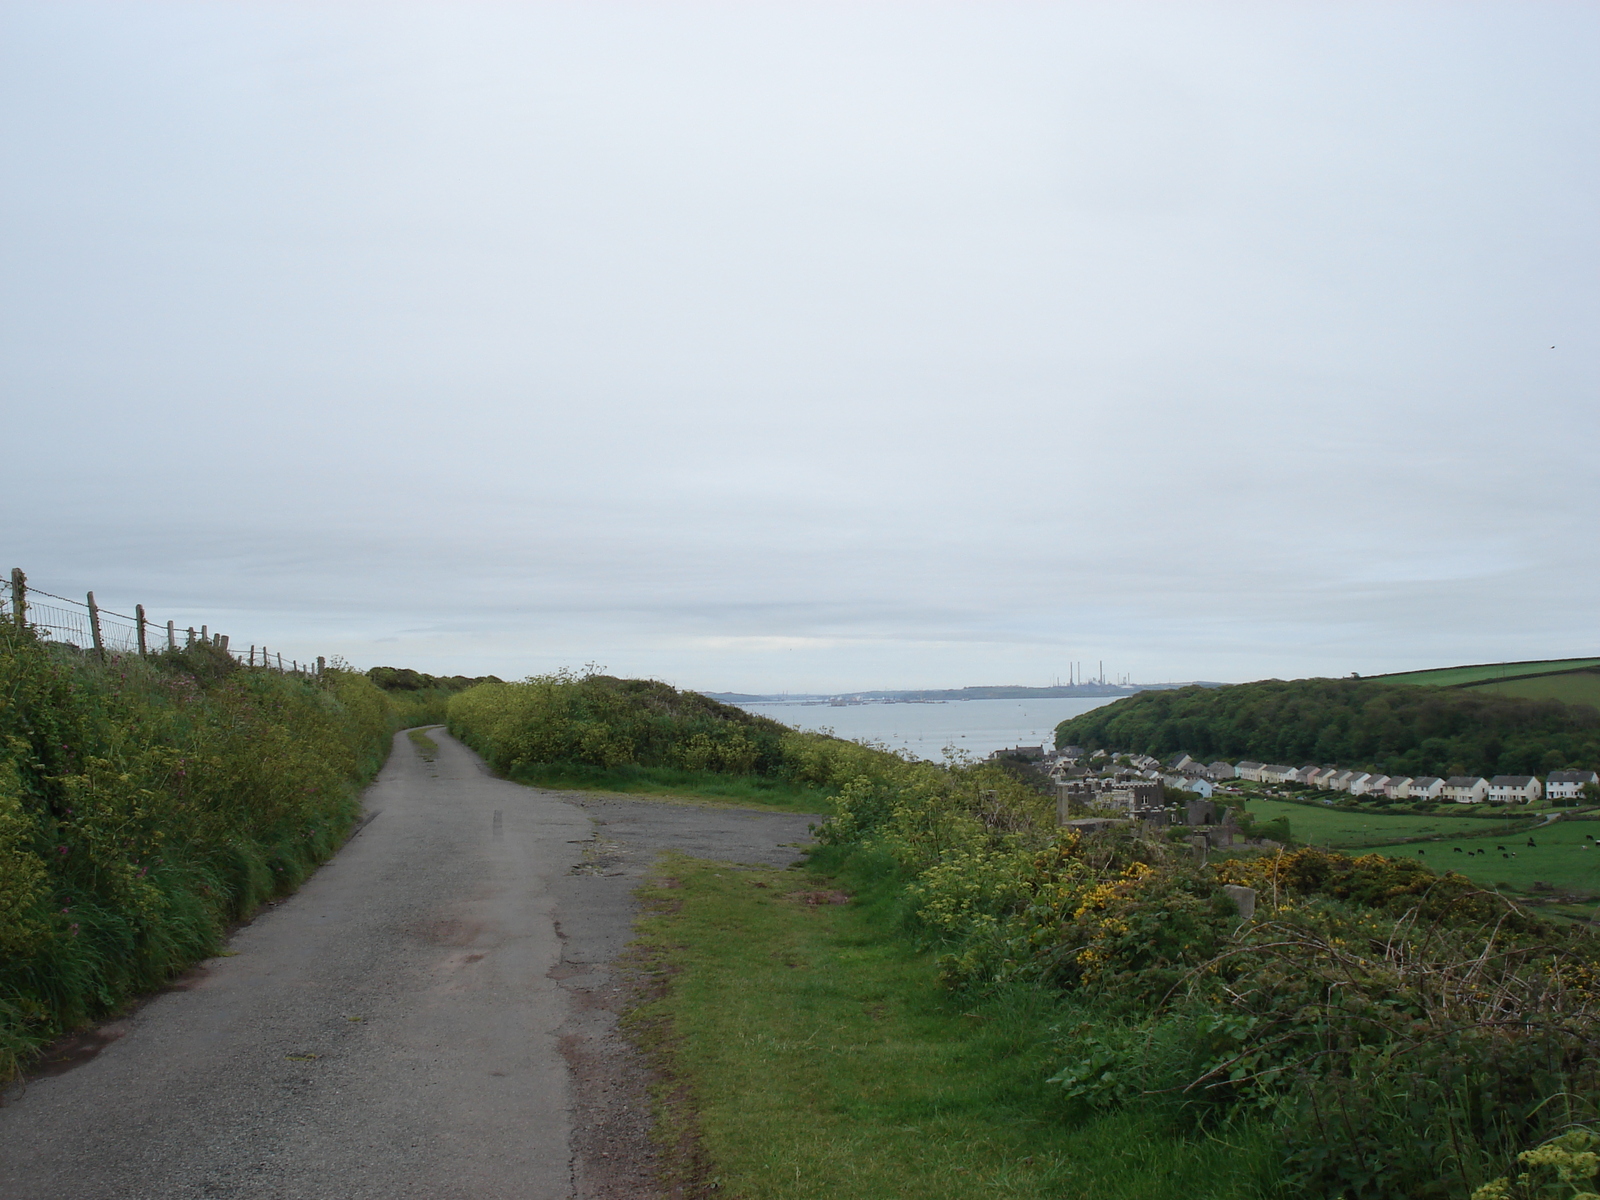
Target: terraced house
{"x": 1568, "y": 785}
{"x": 1514, "y": 789}
{"x": 1466, "y": 789}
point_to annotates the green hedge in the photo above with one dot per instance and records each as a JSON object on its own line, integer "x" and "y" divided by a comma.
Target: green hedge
{"x": 145, "y": 804}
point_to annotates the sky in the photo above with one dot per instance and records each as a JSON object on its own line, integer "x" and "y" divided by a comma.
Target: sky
{"x": 810, "y": 346}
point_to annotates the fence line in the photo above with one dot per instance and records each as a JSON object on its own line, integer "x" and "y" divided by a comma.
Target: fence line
{"x": 84, "y": 625}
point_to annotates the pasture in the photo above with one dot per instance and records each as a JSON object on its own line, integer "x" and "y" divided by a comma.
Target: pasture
{"x": 1347, "y": 829}
{"x": 1445, "y": 676}
{"x": 1577, "y": 687}
{"x": 1564, "y": 855}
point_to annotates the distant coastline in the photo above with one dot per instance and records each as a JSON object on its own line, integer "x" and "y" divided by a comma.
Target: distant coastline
{"x": 1003, "y": 692}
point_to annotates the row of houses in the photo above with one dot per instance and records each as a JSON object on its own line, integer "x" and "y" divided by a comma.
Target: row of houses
{"x": 1463, "y": 789}
{"x": 1183, "y": 771}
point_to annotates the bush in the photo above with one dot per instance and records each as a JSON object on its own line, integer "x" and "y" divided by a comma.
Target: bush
{"x": 600, "y": 721}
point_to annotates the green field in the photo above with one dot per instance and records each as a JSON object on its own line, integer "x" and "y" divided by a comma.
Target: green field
{"x": 1346, "y": 829}
{"x": 1562, "y": 856}
{"x": 1578, "y": 687}
{"x": 1445, "y": 676}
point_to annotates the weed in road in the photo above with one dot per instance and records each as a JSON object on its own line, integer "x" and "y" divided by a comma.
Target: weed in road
{"x": 426, "y": 746}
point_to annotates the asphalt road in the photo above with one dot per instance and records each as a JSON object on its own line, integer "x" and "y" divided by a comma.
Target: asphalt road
{"x": 426, "y": 1017}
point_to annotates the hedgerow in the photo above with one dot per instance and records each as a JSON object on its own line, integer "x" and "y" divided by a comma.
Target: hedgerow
{"x": 145, "y": 804}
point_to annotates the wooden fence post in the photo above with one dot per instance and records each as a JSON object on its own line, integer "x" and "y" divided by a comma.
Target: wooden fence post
{"x": 19, "y": 597}
{"x": 280, "y": 660}
{"x": 252, "y": 654}
{"x": 172, "y": 637}
{"x": 190, "y": 643}
{"x": 205, "y": 634}
{"x": 322, "y": 664}
{"x": 138, "y": 617}
{"x": 94, "y": 628}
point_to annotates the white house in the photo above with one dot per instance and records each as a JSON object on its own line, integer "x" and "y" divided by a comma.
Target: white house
{"x": 1250, "y": 771}
{"x": 1179, "y": 761}
{"x": 1514, "y": 789}
{"x": 1322, "y": 777}
{"x": 1339, "y": 781}
{"x": 1373, "y": 785}
{"x": 1398, "y": 787}
{"x": 1356, "y": 785}
{"x": 1568, "y": 785}
{"x": 1275, "y": 773}
{"x": 1466, "y": 789}
{"x": 1425, "y": 787}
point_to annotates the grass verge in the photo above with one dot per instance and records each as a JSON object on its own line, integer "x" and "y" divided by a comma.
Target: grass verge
{"x": 808, "y": 1051}
{"x": 755, "y": 791}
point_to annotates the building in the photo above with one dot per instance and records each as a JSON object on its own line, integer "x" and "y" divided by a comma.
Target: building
{"x": 1425, "y": 787}
{"x": 1138, "y": 797}
{"x": 1514, "y": 789}
{"x": 1398, "y": 787}
{"x": 1356, "y": 785}
{"x": 1179, "y": 761}
{"x": 1466, "y": 789}
{"x": 1322, "y": 777}
{"x": 1275, "y": 773}
{"x": 1197, "y": 784}
{"x": 1221, "y": 770}
{"x": 1373, "y": 785}
{"x": 1249, "y": 770}
{"x": 1568, "y": 785}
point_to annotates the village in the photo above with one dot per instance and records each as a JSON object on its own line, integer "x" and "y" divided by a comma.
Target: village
{"x": 1182, "y": 793}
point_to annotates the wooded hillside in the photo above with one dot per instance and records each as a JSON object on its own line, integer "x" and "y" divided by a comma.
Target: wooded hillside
{"x": 1395, "y": 728}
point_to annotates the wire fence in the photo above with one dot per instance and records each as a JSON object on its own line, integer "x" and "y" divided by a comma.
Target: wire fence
{"x": 84, "y": 625}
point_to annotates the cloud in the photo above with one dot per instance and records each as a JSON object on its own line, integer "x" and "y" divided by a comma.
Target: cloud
{"x": 810, "y": 347}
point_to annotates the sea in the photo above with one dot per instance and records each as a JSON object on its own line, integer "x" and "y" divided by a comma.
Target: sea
{"x": 971, "y": 727}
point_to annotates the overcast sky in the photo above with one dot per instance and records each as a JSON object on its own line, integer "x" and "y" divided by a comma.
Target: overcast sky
{"x": 811, "y": 346}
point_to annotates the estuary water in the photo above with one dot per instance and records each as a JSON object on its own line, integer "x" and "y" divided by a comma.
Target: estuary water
{"x": 974, "y": 727}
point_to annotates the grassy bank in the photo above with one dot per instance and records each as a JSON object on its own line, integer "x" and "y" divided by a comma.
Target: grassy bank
{"x": 823, "y": 1060}
{"x": 145, "y": 804}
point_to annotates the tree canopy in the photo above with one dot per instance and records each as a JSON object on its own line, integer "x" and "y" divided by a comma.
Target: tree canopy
{"x": 1394, "y": 728}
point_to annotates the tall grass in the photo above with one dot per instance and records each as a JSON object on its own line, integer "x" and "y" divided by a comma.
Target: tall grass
{"x": 146, "y": 804}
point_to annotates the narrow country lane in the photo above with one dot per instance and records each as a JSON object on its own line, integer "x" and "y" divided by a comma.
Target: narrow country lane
{"x": 414, "y": 1022}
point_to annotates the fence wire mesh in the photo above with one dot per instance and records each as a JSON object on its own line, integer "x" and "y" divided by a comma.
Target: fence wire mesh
{"x": 83, "y": 625}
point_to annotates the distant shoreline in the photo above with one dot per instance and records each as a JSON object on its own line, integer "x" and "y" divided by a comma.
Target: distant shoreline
{"x": 1004, "y": 692}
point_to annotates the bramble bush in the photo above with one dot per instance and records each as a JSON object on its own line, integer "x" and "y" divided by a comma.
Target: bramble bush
{"x": 145, "y": 804}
